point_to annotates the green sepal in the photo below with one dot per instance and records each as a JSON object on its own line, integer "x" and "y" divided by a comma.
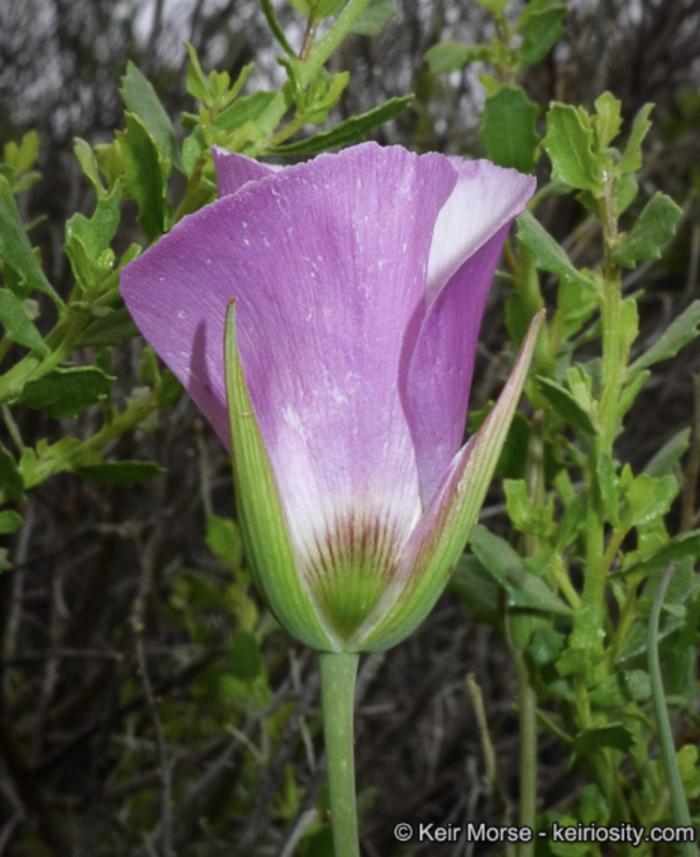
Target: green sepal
{"x": 262, "y": 519}
{"x": 407, "y": 602}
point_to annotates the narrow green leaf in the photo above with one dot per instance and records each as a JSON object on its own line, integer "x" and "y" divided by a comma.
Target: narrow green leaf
{"x": 478, "y": 590}
{"x": 569, "y": 144}
{"x": 246, "y": 109}
{"x": 141, "y": 99}
{"x": 677, "y": 548}
{"x": 679, "y": 333}
{"x": 275, "y": 27}
{"x": 66, "y": 392}
{"x": 375, "y": 17}
{"x": 566, "y": 405}
{"x": 524, "y": 590}
{"x": 121, "y": 472}
{"x": 85, "y": 156}
{"x": 350, "y": 131}
{"x": 146, "y": 174}
{"x": 508, "y": 130}
{"x": 18, "y": 325}
{"x": 112, "y": 329}
{"x": 15, "y": 248}
{"x": 549, "y": 254}
{"x": 196, "y": 81}
{"x": 608, "y": 120}
{"x": 654, "y": 228}
{"x": 450, "y": 56}
{"x": 666, "y": 459}
{"x": 631, "y": 159}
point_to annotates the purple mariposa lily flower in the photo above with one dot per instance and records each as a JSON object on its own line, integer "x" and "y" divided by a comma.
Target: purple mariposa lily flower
{"x": 359, "y": 282}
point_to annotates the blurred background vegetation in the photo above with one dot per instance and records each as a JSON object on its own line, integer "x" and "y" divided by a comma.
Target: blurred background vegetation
{"x": 151, "y": 712}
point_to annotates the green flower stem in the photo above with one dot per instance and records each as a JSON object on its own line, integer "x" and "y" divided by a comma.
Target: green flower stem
{"x": 338, "y": 673}
{"x": 613, "y": 364}
{"x": 527, "y": 711}
{"x": 668, "y": 750}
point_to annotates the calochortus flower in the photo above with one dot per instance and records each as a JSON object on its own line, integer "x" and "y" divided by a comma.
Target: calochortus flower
{"x": 354, "y": 287}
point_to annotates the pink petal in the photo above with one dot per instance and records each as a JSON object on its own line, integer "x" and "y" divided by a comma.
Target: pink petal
{"x": 327, "y": 261}
{"x": 234, "y": 170}
{"x": 467, "y": 243}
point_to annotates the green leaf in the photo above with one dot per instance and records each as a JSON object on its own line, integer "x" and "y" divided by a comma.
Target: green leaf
{"x": 88, "y": 241}
{"x": 224, "y": 541}
{"x": 654, "y": 227}
{"x": 631, "y": 159}
{"x": 677, "y": 548}
{"x": 146, "y": 174}
{"x": 626, "y": 190}
{"x": 569, "y": 144}
{"x": 275, "y": 27}
{"x": 246, "y": 109}
{"x": 375, "y": 17}
{"x": 566, "y": 405}
{"x": 22, "y": 157}
{"x": 608, "y": 120}
{"x": 648, "y": 498}
{"x": 347, "y": 132}
{"x": 549, "y": 254}
{"x": 11, "y": 481}
{"x": 589, "y": 742}
{"x": 121, "y": 472}
{"x": 449, "y": 56}
{"x": 85, "y": 156}
{"x": 666, "y": 459}
{"x": 679, "y": 333}
{"x": 508, "y": 130}
{"x": 196, "y": 81}
{"x": 575, "y": 306}
{"x": 478, "y": 590}
{"x": 511, "y": 462}
{"x": 518, "y": 504}
{"x": 112, "y": 329}
{"x": 15, "y": 248}
{"x": 541, "y": 25}
{"x": 325, "y": 8}
{"x": 246, "y": 659}
{"x": 66, "y": 392}
{"x": 524, "y": 590}
{"x": 10, "y": 521}
{"x": 140, "y": 99}
{"x": 18, "y": 325}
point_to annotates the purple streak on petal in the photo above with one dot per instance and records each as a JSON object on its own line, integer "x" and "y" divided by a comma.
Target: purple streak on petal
{"x": 466, "y": 246}
{"x": 327, "y": 261}
{"x": 234, "y": 170}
